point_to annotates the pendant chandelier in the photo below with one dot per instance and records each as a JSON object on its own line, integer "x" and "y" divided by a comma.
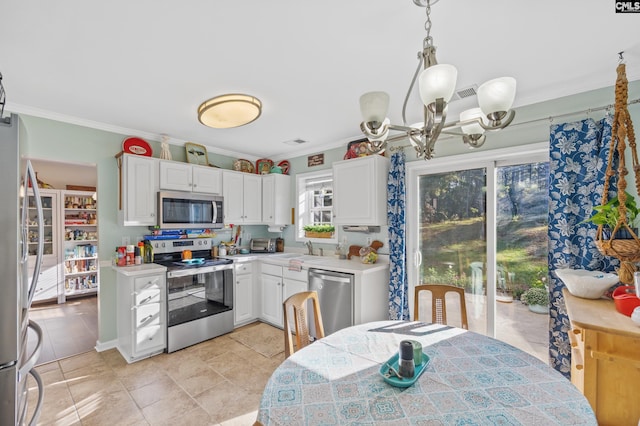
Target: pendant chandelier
{"x": 437, "y": 83}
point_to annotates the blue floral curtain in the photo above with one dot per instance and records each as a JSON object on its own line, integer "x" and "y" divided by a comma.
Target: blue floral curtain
{"x": 398, "y": 284}
{"x": 577, "y": 164}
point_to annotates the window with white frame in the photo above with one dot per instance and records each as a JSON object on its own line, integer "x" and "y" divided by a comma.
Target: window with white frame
{"x": 315, "y": 201}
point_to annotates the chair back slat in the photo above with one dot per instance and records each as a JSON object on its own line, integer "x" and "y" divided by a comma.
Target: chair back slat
{"x": 297, "y": 305}
{"x": 439, "y": 303}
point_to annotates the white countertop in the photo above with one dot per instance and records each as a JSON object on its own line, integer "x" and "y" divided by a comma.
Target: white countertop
{"x": 330, "y": 263}
{"x": 144, "y": 269}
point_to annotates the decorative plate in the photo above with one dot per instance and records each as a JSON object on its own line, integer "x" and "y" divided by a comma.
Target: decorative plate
{"x": 284, "y": 164}
{"x": 196, "y": 154}
{"x": 263, "y": 166}
{"x": 138, "y": 146}
{"x": 242, "y": 165}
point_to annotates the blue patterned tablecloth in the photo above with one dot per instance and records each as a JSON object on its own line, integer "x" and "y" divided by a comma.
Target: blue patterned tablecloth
{"x": 471, "y": 380}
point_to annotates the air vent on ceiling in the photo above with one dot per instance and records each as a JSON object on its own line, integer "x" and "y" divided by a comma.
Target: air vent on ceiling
{"x": 465, "y": 92}
{"x": 295, "y": 142}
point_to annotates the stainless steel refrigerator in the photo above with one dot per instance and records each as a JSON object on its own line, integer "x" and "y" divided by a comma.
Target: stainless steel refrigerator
{"x": 16, "y": 286}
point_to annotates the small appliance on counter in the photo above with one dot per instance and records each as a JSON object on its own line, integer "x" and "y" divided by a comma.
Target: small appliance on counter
{"x": 263, "y": 245}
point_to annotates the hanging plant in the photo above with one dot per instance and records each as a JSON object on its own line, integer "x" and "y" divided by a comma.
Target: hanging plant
{"x": 626, "y": 250}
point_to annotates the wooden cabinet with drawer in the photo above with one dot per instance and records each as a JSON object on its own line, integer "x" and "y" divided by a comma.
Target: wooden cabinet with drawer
{"x": 141, "y": 313}
{"x": 605, "y": 359}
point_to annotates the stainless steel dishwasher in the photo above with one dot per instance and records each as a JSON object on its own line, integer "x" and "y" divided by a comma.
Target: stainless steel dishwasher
{"x": 335, "y": 293}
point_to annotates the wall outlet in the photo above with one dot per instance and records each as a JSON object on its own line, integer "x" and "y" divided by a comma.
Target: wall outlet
{"x": 368, "y": 241}
{"x": 126, "y": 241}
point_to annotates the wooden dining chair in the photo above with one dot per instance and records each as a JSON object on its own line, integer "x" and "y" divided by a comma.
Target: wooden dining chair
{"x": 439, "y": 304}
{"x": 297, "y": 304}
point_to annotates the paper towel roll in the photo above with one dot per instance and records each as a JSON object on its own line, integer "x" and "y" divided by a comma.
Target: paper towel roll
{"x": 275, "y": 228}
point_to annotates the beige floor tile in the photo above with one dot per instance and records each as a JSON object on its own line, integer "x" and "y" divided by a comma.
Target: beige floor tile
{"x": 162, "y": 389}
{"x": 140, "y": 373}
{"x": 115, "y": 408}
{"x": 86, "y": 363}
{"x": 113, "y": 358}
{"x": 196, "y": 417}
{"x": 194, "y": 378}
{"x": 243, "y": 420}
{"x": 94, "y": 386}
{"x": 249, "y": 379}
{"x": 227, "y": 405}
{"x": 176, "y": 404}
{"x": 58, "y": 407}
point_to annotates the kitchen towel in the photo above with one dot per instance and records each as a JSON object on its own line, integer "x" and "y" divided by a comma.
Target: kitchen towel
{"x": 295, "y": 265}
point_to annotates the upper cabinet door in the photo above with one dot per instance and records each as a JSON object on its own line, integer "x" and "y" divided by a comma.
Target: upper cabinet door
{"x": 175, "y": 176}
{"x": 252, "y": 198}
{"x": 139, "y": 188}
{"x": 233, "y": 193}
{"x": 207, "y": 180}
{"x": 276, "y": 199}
{"x": 360, "y": 191}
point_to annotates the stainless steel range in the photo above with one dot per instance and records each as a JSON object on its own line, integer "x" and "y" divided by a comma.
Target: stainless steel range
{"x": 199, "y": 291}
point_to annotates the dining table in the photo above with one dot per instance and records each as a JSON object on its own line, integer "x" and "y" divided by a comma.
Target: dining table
{"x": 466, "y": 379}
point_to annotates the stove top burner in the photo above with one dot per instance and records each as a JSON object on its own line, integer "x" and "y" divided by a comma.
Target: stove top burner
{"x": 203, "y": 262}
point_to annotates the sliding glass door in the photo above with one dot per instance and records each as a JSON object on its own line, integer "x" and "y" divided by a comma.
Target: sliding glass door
{"x": 475, "y": 220}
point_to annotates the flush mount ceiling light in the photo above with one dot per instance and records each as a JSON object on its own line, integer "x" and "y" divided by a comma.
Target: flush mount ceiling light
{"x": 227, "y": 111}
{"x": 436, "y": 84}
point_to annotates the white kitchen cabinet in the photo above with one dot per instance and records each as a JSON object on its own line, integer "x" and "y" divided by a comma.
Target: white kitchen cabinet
{"x": 271, "y": 300}
{"x": 360, "y": 191}
{"x": 48, "y": 285}
{"x": 277, "y": 284}
{"x": 50, "y": 276}
{"x": 138, "y": 189}
{"x": 243, "y": 294}
{"x": 242, "y": 197}
{"x": 176, "y": 176}
{"x": 141, "y": 320}
{"x": 276, "y": 199}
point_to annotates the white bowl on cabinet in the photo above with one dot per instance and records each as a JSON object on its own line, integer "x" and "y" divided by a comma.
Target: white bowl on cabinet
{"x": 586, "y": 284}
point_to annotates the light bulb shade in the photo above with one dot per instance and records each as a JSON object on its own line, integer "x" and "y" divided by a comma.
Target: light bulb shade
{"x": 227, "y": 111}
{"x": 473, "y": 128}
{"x": 374, "y": 106}
{"x": 497, "y": 95}
{"x": 437, "y": 81}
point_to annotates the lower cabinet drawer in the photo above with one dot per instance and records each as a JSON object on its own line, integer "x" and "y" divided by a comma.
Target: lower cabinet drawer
{"x": 147, "y": 283}
{"x": 149, "y": 338}
{"x": 269, "y": 269}
{"x": 146, "y": 315}
{"x": 150, "y": 295}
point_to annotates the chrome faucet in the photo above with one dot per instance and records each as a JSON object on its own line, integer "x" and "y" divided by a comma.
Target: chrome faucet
{"x": 309, "y": 247}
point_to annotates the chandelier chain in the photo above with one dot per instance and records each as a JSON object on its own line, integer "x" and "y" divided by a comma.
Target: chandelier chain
{"x": 428, "y": 40}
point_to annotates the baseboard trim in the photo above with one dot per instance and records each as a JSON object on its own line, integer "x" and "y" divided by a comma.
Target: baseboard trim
{"x": 105, "y": 346}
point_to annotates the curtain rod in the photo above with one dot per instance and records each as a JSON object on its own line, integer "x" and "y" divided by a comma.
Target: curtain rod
{"x": 549, "y": 118}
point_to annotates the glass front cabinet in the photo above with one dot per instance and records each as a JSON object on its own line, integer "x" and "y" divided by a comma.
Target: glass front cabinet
{"x": 70, "y": 265}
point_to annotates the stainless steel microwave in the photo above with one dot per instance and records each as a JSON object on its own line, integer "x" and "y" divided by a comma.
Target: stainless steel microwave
{"x": 178, "y": 210}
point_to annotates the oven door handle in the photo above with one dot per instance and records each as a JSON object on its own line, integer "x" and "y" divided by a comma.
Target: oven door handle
{"x": 196, "y": 271}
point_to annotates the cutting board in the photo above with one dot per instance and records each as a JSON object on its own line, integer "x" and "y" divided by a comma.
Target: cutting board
{"x": 355, "y": 250}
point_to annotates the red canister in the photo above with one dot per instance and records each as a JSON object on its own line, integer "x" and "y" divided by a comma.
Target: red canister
{"x": 122, "y": 256}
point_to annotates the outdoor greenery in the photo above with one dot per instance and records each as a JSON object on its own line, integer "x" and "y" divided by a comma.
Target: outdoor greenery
{"x": 535, "y": 296}
{"x": 453, "y": 231}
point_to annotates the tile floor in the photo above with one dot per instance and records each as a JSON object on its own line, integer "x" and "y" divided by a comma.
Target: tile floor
{"x": 217, "y": 382}
{"x": 68, "y": 329}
